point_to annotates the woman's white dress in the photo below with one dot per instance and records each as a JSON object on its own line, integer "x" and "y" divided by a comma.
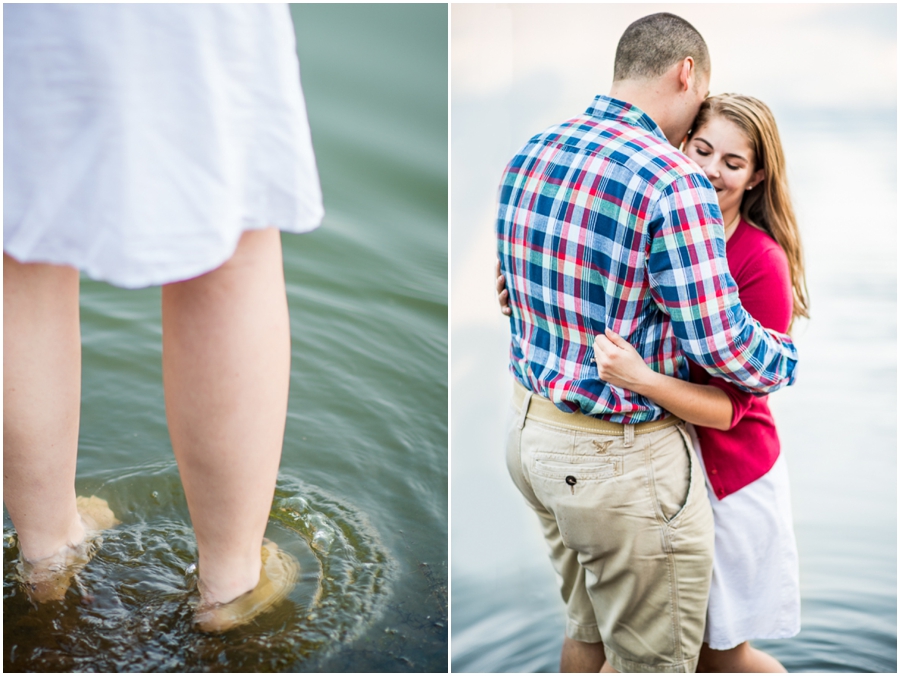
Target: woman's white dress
{"x": 142, "y": 140}
{"x": 755, "y": 591}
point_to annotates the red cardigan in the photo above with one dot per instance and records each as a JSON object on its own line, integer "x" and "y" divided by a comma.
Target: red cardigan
{"x": 744, "y": 453}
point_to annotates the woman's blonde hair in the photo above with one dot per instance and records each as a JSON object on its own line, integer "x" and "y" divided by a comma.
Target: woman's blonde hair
{"x": 768, "y": 205}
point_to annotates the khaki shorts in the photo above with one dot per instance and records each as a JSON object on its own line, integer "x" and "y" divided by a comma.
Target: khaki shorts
{"x": 630, "y": 529}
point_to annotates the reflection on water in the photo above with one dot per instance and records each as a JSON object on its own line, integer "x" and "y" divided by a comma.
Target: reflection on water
{"x": 525, "y": 625}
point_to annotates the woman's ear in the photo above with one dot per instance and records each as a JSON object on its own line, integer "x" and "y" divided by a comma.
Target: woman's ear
{"x": 758, "y": 177}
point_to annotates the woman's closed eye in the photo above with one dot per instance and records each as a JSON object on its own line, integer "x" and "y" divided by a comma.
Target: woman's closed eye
{"x": 706, "y": 153}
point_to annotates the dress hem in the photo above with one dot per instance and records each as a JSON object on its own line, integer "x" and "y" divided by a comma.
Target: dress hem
{"x": 141, "y": 281}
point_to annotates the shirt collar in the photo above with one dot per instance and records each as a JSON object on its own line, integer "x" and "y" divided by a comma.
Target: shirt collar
{"x": 608, "y": 108}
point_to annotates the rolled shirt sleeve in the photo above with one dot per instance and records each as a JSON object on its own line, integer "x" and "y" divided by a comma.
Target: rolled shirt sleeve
{"x": 690, "y": 281}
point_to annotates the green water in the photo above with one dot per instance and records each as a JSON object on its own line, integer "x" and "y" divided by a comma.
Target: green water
{"x": 362, "y": 494}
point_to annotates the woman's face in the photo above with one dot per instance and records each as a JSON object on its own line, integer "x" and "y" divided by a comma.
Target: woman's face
{"x": 724, "y": 153}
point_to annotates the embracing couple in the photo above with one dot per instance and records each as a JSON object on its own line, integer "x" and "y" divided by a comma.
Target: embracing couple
{"x": 621, "y": 263}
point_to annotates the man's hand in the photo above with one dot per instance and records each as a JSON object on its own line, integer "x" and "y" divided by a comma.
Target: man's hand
{"x": 619, "y": 364}
{"x": 502, "y": 293}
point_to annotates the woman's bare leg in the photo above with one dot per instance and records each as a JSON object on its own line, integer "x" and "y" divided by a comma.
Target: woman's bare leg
{"x": 41, "y": 405}
{"x": 742, "y": 659}
{"x": 226, "y": 370}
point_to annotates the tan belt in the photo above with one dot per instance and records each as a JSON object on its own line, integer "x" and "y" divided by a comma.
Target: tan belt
{"x": 541, "y": 409}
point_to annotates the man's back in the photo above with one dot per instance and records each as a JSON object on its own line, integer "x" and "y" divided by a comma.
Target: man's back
{"x": 602, "y": 223}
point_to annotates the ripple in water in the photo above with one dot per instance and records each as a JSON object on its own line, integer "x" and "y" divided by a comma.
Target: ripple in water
{"x": 131, "y": 607}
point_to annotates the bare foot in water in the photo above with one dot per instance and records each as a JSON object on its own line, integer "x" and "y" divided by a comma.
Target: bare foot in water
{"x": 276, "y": 580}
{"x": 49, "y": 578}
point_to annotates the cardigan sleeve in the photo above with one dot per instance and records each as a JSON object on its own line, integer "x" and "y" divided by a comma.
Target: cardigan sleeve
{"x": 766, "y": 293}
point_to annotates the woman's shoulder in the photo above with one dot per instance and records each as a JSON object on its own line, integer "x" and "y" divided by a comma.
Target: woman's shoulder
{"x": 763, "y": 276}
{"x": 754, "y": 255}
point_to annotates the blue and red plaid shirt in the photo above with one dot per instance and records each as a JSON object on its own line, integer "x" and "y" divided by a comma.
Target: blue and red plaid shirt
{"x": 603, "y": 223}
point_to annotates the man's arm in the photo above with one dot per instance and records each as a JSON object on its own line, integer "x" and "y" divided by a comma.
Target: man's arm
{"x": 619, "y": 364}
{"x": 690, "y": 281}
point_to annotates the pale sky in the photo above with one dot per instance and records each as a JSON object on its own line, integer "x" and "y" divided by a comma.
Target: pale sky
{"x": 802, "y": 54}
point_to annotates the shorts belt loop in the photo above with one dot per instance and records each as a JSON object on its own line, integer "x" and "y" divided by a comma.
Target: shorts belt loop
{"x": 525, "y": 404}
{"x": 629, "y": 436}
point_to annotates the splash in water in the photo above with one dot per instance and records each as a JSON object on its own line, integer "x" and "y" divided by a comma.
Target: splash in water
{"x": 131, "y": 608}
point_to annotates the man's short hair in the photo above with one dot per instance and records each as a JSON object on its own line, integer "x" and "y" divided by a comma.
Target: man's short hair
{"x": 652, "y": 44}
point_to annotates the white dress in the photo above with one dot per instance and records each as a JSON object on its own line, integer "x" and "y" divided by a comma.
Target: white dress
{"x": 141, "y": 141}
{"x": 755, "y": 590}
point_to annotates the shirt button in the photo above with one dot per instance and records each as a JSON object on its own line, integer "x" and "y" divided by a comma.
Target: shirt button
{"x": 713, "y": 472}
{"x": 571, "y": 480}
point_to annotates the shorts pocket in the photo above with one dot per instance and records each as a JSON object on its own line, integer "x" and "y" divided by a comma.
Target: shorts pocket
{"x": 672, "y": 463}
{"x": 561, "y": 466}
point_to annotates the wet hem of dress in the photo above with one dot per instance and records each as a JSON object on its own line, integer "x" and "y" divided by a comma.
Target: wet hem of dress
{"x": 776, "y": 636}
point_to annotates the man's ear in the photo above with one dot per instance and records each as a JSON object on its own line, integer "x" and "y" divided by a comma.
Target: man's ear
{"x": 686, "y": 74}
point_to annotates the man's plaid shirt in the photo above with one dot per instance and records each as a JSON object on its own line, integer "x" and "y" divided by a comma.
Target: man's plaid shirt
{"x": 603, "y": 223}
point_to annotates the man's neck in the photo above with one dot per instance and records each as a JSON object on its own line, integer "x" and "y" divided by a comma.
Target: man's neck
{"x": 648, "y": 95}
